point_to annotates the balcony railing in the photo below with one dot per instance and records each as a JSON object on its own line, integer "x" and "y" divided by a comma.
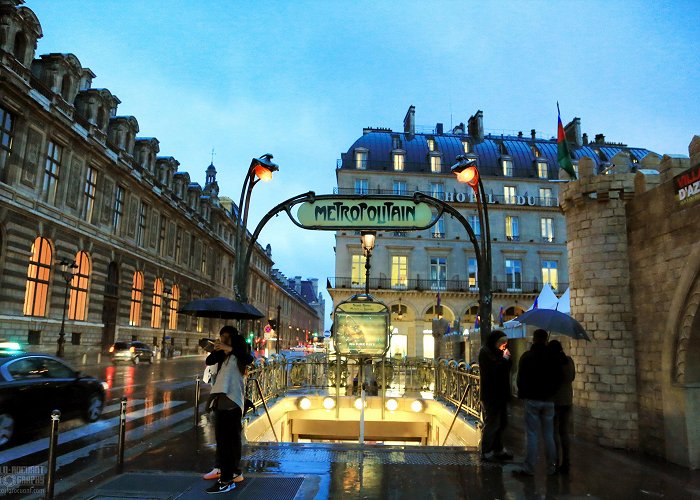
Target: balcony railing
{"x": 419, "y": 284}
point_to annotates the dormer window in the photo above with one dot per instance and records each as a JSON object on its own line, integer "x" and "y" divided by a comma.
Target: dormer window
{"x": 542, "y": 169}
{"x": 398, "y": 160}
{"x": 431, "y": 144}
{"x": 435, "y": 164}
{"x": 465, "y": 146}
{"x": 536, "y": 152}
{"x": 361, "y": 159}
{"x": 507, "y": 166}
{"x": 395, "y": 142}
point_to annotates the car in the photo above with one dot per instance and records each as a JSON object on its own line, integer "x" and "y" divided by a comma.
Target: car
{"x": 33, "y": 385}
{"x": 131, "y": 352}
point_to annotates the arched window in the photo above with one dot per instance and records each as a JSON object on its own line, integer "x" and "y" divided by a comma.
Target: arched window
{"x": 173, "y": 306}
{"x": 20, "y": 47}
{"x": 77, "y": 307}
{"x": 136, "y": 298}
{"x": 66, "y": 86}
{"x": 157, "y": 311}
{"x": 36, "y": 294}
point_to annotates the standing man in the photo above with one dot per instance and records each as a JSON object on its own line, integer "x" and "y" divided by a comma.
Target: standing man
{"x": 539, "y": 377}
{"x": 494, "y": 369}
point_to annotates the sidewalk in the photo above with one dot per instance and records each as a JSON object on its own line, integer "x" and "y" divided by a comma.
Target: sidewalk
{"x": 319, "y": 470}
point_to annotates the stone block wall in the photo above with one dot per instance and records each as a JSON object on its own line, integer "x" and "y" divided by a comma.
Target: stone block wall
{"x": 605, "y": 387}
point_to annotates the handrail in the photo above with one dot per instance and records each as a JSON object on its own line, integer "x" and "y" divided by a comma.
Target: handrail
{"x": 257, "y": 383}
{"x": 459, "y": 407}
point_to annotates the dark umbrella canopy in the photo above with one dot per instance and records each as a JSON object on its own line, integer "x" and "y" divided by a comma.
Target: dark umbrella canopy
{"x": 553, "y": 321}
{"x": 221, "y": 307}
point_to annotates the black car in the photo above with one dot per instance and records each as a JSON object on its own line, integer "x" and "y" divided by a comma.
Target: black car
{"x": 131, "y": 352}
{"x": 33, "y": 385}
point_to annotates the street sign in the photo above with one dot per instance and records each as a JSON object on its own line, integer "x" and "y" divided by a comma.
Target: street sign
{"x": 327, "y": 333}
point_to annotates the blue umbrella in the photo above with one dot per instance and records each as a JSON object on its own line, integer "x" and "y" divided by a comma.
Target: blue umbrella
{"x": 221, "y": 307}
{"x": 554, "y": 321}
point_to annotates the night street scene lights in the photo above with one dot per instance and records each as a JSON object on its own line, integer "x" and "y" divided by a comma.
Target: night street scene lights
{"x": 167, "y": 297}
{"x": 468, "y": 173}
{"x": 367, "y": 238}
{"x": 261, "y": 169}
{"x": 68, "y": 270}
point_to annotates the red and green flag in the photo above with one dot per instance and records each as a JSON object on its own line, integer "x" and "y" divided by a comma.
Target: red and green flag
{"x": 563, "y": 155}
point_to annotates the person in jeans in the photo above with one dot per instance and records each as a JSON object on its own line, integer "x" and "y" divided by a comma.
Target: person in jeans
{"x": 494, "y": 370}
{"x": 539, "y": 377}
{"x": 232, "y": 356}
{"x": 563, "y": 400}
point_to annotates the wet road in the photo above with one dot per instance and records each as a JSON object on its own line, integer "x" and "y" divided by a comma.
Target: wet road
{"x": 160, "y": 404}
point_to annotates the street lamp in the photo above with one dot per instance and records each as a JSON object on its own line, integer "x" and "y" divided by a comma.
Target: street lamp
{"x": 261, "y": 169}
{"x": 167, "y": 297}
{"x": 367, "y": 238}
{"x": 68, "y": 270}
{"x": 468, "y": 173}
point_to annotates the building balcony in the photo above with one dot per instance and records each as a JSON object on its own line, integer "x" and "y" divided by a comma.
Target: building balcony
{"x": 419, "y": 284}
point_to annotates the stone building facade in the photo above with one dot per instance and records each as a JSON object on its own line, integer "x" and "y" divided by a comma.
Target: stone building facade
{"x": 78, "y": 183}
{"x": 634, "y": 255}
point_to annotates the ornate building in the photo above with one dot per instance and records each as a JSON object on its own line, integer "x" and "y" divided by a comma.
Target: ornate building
{"x": 79, "y": 185}
{"x": 425, "y": 274}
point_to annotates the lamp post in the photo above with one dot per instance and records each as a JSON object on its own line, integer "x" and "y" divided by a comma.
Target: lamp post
{"x": 261, "y": 169}
{"x": 68, "y": 270}
{"x": 368, "y": 239}
{"x": 167, "y": 296}
{"x": 278, "y": 333}
{"x": 468, "y": 173}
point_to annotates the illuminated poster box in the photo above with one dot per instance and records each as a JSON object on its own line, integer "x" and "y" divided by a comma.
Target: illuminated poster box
{"x": 361, "y": 328}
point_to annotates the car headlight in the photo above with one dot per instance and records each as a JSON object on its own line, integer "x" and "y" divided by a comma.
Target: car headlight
{"x": 105, "y": 385}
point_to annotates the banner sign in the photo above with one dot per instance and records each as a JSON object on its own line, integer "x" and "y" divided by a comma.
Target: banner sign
{"x": 346, "y": 212}
{"x": 687, "y": 185}
{"x": 361, "y": 328}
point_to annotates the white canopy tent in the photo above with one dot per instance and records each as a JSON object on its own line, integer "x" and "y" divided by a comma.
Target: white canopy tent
{"x": 547, "y": 299}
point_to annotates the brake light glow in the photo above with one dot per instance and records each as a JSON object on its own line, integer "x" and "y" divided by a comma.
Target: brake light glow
{"x": 111, "y": 349}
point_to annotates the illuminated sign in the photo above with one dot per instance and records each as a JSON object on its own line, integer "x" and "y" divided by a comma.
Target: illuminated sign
{"x": 361, "y": 328}
{"x": 687, "y": 185}
{"x": 353, "y": 212}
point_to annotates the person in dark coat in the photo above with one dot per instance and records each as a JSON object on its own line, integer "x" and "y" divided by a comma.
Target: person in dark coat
{"x": 494, "y": 369}
{"x": 539, "y": 377}
{"x": 563, "y": 401}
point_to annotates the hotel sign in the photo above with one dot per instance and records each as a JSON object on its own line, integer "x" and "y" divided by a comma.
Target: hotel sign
{"x": 353, "y": 212}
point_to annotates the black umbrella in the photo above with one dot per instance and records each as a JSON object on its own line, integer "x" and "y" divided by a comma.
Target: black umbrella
{"x": 221, "y": 307}
{"x": 554, "y": 321}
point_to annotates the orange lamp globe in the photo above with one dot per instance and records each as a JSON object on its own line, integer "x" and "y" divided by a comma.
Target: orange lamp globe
{"x": 262, "y": 173}
{"x": 469, "y": 175}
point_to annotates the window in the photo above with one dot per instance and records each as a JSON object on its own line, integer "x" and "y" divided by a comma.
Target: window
{"x": 141, "y": 227}
{"x": 431, "y": 144}
{"x": 437, "y": 190}
{"x": 400, "y": 187}
{"x": 178, "y": 244}
{"x": 549, "y": 273}
{"x": 6, "y": 128}
{"x": 398, "y": 162}
{"x": 161, "y": 236}
{"x": 157, "y": 304}
{"x": 438, "y": 230}
{"x": 173, "y": 306}
{"x": 438, "y": 273}
{"x": 89, "y": 193}
{"x": 395, "y": 142}
{"x": 474, "y": 223}
{"x": 77, "y": 305}
{"x": 361, "y": 160}
{"x": 507, "y": 165}
{"x": 75, "y": 338}
{"x": 473, "y": 271}
{"x": 399, "y": 271}
{"x": 513, "y": 275}
{"x": 361, "y": 186}
{"x": 136, "y": 299}
{"x": 542, "y": 169}
{"x": 465, "y": 146}
{"x": 512, "y": 232}
{"x": 51, "y": 172}
{"x": 546, "y": 197}
{"x": 118, "y": 209}
{"x": 36, "y": 293}
{"x": 509, "y": 194}
{"x": 358, "y": 271}
{"x": 547, "y": 227}
{"x": 435, "y": 164}
{"x": 203, "y": 265}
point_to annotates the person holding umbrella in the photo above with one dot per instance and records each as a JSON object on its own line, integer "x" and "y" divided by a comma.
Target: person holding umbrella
{"x": 232, "y": 356}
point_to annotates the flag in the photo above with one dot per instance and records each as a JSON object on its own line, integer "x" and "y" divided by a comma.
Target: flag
{"x": 563, "y": 156}
{"x": 438, "y": 310}
{"x": 476, "y": 322}
{"x": 534, "y": 306}
{"x": 500, "y": 317}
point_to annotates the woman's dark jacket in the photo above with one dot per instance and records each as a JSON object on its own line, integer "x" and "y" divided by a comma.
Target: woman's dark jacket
{"x": 495, "y": 372}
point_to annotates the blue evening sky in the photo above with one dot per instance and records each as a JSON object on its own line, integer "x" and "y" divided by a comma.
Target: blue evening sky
{"x": 300, "y": 79}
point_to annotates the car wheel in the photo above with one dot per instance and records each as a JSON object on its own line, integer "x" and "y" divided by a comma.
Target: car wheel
{"x": 136, "y": 360}
{"x": 7, "y": 428}
{"x": 94, "y": 408}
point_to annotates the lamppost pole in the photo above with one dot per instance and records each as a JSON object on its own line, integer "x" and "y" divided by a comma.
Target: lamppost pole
{"x": 260, "y": 169}
{"x": 68, "y": 269}
{"x": 467, "y": 172}
{"x": 278, "y": 333}
{"x": 368, "y": 239}
{"x": 167, "y": 295}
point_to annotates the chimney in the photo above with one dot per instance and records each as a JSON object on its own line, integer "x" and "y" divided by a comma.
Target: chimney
{"x": 297, "y": 284}
{"x": 438, "y": 129}
{"x": 520, "y": 134}
{"x": 409, "y": 122}
{"x": 600, "y": 139}
{"x": 459, "y": 129}
{"x": 573, "y": 132}
{"x": 476, "y": 126}
{"x": 533, "y": 134}
{"x": 584, "y": 139}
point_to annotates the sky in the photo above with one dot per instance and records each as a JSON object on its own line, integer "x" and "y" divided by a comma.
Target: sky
{"x": 301, "y": 79}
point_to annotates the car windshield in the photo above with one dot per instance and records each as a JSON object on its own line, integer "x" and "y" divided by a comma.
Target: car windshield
{"x": 121, "y": 346}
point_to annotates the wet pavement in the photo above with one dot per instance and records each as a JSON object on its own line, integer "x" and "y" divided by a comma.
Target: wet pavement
{"x": 172, "y": 470}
